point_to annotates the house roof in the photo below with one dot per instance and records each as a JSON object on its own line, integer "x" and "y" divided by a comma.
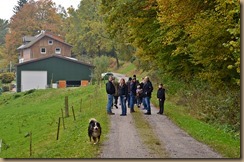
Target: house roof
{"x": 56, "y": 56}
{"x": 32, "y": 40}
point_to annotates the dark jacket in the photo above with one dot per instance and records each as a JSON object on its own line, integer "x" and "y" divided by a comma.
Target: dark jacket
{"x": 147, "y": 89}
{"x": 123, "y": 90}
{"x": 161, "y": 93}
{"x": 133, "y": 88}
{"x": 110, "y": 89}
{"x": 128, "y": 86}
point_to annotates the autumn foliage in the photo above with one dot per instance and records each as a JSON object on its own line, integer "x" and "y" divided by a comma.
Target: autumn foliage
{"x": 33, "y": 17}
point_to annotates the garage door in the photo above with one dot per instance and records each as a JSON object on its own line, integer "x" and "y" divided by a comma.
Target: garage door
{"x": 33, "y": 80}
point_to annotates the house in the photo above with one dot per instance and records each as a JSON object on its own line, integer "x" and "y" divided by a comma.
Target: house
{"x": 43, "y": 72}
{"x": 43, "y": 45}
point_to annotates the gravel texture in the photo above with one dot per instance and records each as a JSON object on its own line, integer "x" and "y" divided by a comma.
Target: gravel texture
{"x": 124, "y": 140}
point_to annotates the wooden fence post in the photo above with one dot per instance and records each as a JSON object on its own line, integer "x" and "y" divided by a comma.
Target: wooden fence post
{"x": 30, "y": 143}
{"x": 73, "y": 111}
{"x": 80, "y": 104}
{"x": 29, "y": 134}
{"x": 66, "y": 106}
{"x": 63, "y": 118}
{"x": 58, "y": 127}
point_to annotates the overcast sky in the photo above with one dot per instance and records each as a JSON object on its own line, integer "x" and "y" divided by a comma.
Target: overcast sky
{"x": 6, "y": 6}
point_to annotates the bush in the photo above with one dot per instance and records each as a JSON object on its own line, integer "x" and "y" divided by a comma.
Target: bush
{"x": 101, "y": 66}
{"x": 7, "y": 77}
{"x": 5, "y": 88}
{"x": 218, "y": 106}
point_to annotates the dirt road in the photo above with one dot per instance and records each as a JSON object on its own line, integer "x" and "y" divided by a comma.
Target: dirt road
{"x": 124, "y": 140}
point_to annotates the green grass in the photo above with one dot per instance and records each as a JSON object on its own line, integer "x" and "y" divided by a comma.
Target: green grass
{"x": 39, "y": 111}
{"x": 224, "y": 143}
{"x": 126, "y": 68}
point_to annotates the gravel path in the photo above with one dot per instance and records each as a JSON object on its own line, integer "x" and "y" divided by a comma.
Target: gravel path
{"x": 177, "y": 142}
{"x": 124, "y": 141}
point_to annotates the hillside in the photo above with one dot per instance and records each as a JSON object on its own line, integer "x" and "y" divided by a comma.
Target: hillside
{"x": 38, "y": 112}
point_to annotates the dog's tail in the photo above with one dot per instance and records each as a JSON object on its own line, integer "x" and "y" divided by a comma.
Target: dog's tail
{"x": 92, "y": 119}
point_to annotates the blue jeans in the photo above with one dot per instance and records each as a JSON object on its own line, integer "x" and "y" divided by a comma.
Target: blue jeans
{"x": 144, "y": 103}
{"x": 132, "y": 102}
{"x": 147, "y": 104}
{"x": 123, "y": 104}
{"x": 128, "y": 99}
{"x": 110, "y": 103}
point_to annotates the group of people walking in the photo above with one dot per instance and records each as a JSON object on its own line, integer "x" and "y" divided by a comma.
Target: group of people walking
{"x": 132, "y": 93}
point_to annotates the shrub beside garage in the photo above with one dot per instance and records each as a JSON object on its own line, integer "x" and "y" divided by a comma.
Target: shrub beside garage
{"x": 6, "y": 79}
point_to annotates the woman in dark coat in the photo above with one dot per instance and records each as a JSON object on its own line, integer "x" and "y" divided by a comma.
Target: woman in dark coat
{"x": 123, "y": 93}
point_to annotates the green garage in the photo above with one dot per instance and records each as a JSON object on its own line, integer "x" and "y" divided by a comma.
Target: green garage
{"x": 42, "y": 73}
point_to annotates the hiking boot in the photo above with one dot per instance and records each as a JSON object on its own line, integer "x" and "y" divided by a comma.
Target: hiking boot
{"x": 110, "y": 113}
{"x": 148, "y": 113}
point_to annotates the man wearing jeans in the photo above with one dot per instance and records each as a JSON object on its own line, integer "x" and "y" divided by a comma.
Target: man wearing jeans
{"x": 147, "y": 92}
{"x": 110, "y": 89}
{"x": 132, "y": 94}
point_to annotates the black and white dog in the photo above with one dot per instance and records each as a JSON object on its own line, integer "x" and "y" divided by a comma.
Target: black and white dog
{"x": 94, "y": 130}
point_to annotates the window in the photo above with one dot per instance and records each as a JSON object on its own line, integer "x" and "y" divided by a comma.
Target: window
{"x": 58, "y": 50}
{"x": 50, "y": 42}
{"x": 43, "y": 50}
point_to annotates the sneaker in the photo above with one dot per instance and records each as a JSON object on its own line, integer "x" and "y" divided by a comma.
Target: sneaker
{"x": 122, "y": 114}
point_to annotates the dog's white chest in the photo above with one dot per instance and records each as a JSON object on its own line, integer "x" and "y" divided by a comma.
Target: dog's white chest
{"x": 95, "y": 134}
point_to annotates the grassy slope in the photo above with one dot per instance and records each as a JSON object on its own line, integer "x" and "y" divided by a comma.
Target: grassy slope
{"x": 39, "y": 112}
{"x": 224, "y": 143}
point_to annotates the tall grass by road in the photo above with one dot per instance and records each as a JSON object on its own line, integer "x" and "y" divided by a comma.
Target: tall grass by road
{"x": 38, "y": 112}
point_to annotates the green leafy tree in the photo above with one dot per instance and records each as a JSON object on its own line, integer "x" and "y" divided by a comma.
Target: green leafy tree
{"x": 19, "y": 5}
{"x": 86, "y": 30}
{"x": 101, "y": 65}
{"x": 3, "y": 30}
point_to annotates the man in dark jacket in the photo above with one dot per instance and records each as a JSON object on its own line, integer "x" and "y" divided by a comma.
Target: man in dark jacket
{"x": 147, "y": 93}
{"x": 128, "y": 85}
{"x": 161, "y": 98}
{"x": 132, "y": 94}
{"x": 110, "y": 89}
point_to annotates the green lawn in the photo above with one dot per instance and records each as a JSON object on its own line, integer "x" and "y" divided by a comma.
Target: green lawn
{"x": 39, "y": 112}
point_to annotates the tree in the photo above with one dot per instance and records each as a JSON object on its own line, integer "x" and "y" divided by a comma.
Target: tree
{"x": 31, "y": 19}
{"x": 85, "y": 30}
{"x": 3, "y": 30}
{"x": 19, "y": 5}
{"x": 102, "y": 64}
